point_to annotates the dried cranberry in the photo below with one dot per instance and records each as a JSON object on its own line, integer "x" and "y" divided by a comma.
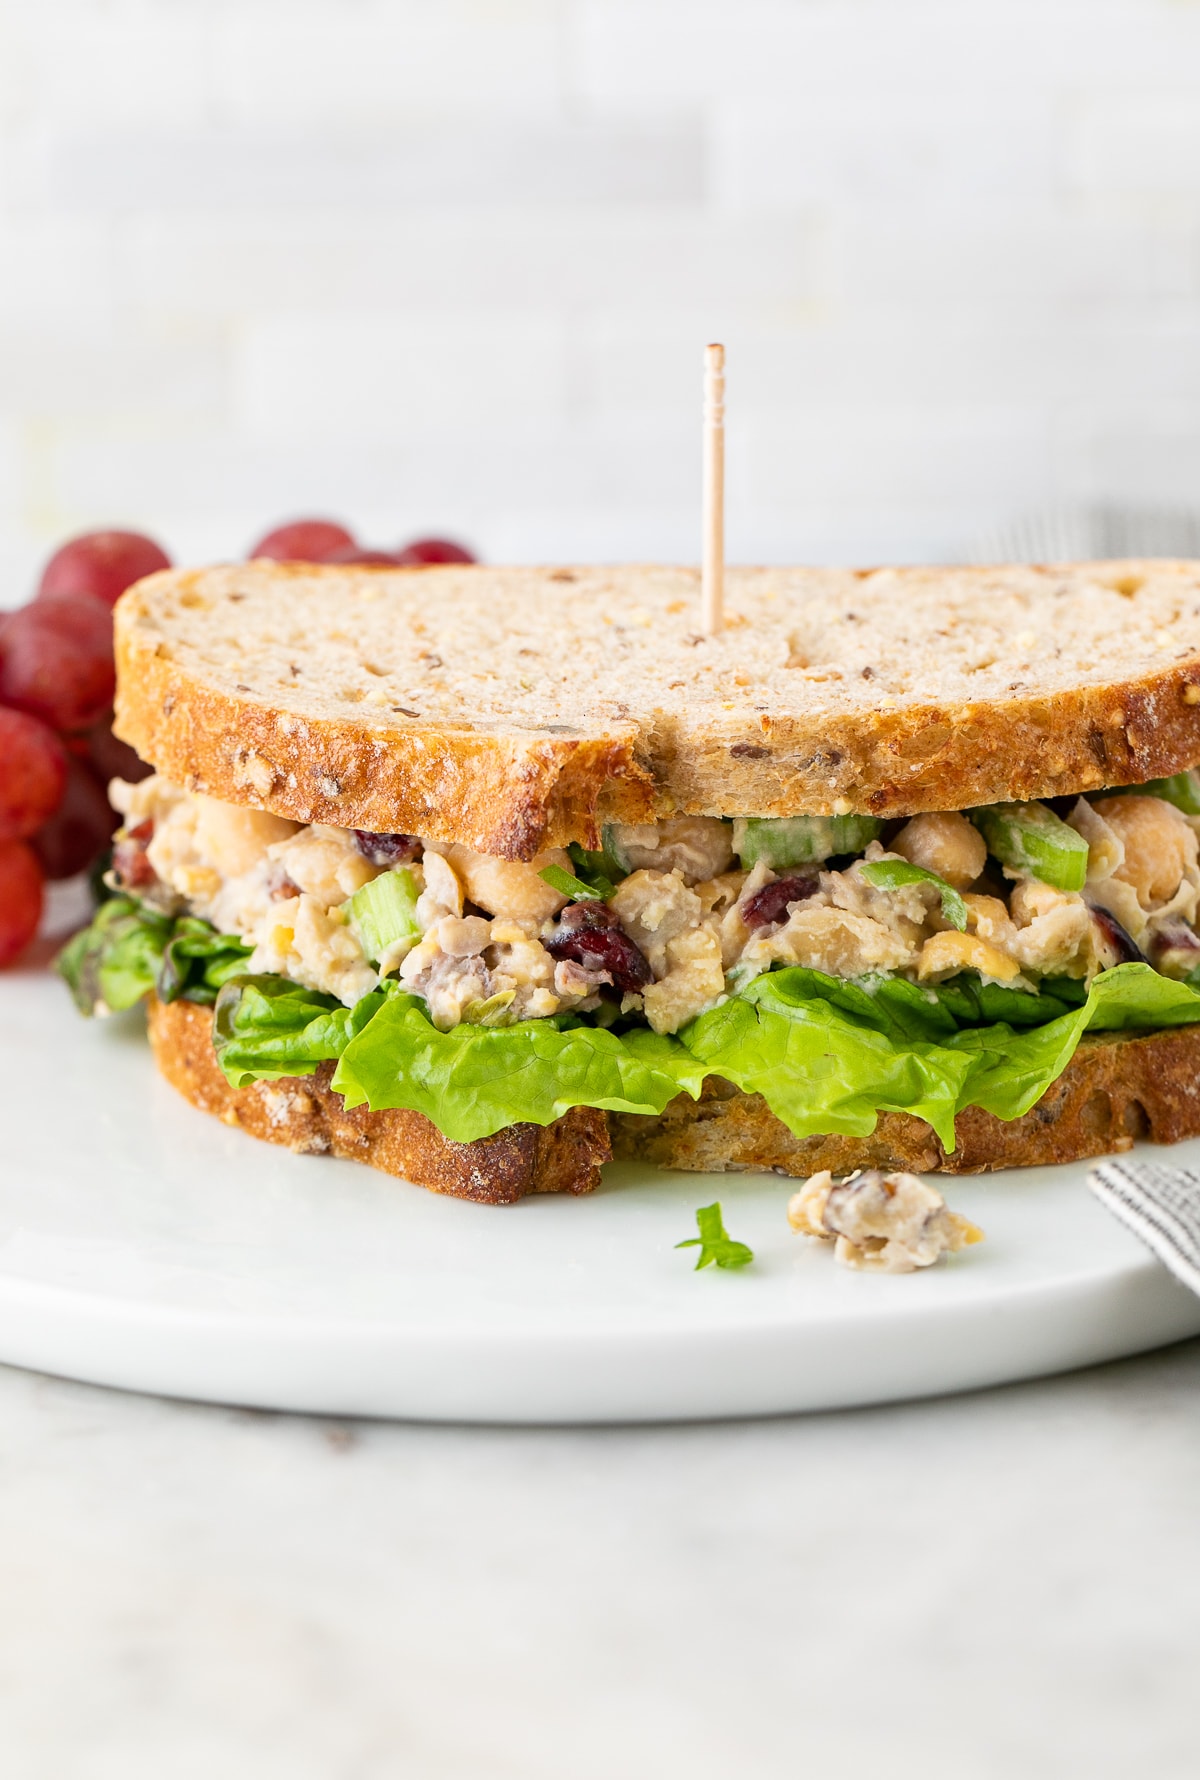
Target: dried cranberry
{"x": 588, "y": 934}
{"x": 131, "y": 868}
{"x": 386, "y": 849}
{"x": 1118, "y": 941}
{"x": 770, "y": 904}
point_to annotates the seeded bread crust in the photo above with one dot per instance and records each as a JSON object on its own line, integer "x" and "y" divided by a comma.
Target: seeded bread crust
{"x": 1116, "y": 1088}
{"x": 308, "y": 1117}
{"x": 513, "y": 709}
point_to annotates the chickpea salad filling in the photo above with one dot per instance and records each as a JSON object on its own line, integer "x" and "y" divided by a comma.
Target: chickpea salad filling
{"x": 840, "y": 966}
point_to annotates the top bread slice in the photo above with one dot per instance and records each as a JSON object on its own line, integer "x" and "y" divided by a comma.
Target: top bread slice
{"x": 518, "y": 708}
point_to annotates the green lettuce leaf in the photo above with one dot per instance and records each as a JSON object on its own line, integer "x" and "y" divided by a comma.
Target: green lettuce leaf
{"x": 197, "y": 961}
{"x": 475, "y": 1080}
{"x": 265, "y": 1027}
{"x": 828, "y": 1055}
{"x": 1013, "y": 1070}
{"x": 968, "y": 1001}
{"x": 131, "y": 949}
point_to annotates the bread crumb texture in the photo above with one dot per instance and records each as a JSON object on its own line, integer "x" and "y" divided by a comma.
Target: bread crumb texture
{"x": 515, "y": 708}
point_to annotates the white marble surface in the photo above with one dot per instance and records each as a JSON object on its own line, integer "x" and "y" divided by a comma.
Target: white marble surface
{"x": 988, "y": 1586}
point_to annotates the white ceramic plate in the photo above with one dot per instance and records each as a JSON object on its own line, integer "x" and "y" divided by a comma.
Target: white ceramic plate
{"x": 143, "y": 1244}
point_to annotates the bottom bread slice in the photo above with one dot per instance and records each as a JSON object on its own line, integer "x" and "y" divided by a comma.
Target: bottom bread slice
{"x": 1117, "y": 1087}
{"x": 305, "y": 1114}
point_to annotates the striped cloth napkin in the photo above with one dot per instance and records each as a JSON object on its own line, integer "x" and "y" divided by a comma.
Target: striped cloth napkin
{"x": 1161, "y": 1205}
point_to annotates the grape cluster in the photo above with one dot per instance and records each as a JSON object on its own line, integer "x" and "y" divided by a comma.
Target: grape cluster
{"x": 57, "y": 678}
{"x": 322, "y": 540}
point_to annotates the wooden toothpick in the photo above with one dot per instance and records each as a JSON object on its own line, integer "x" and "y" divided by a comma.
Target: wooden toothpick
{"x": 712, "y": 583}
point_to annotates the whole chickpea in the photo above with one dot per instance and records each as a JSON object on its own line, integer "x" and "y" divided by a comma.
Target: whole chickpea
{"x": 234, "y": 838}
{"x": 946, "y": 843}
{"x": 507, "y": 888}
{"x": 1160, "y": 846}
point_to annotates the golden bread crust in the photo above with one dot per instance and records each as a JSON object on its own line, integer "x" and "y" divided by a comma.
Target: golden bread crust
{"x": 308, "y": 1117}
{"x": 558, "y": 698}
{"x": 511, "y": 796}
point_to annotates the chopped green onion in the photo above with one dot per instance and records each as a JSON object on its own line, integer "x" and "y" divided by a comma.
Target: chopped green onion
{"x": 575, "y": 888}
{"x": 489, "y": 1012}
{"x": 600, "y": 868}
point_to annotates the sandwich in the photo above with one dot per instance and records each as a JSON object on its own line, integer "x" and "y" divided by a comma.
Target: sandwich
{"x": 484, "y": 876}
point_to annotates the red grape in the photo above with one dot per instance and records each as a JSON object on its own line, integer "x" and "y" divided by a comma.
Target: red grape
{"x": 112, "y": 758}
{"x": 425, "y": 550}
{"x": 102, "y": 565}
{"x": 304, "y": 540}
{"x": 353, "y": 553}
{"x": 80, "y": 828}
{"x": 76, "y": 616}
{"x": 21, "y": 896}
{"x": 34, "y": 774}
{"x": 56, "y": 661}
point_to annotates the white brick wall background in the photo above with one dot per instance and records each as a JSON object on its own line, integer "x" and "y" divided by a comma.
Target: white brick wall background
{"x": 449, "y": 265}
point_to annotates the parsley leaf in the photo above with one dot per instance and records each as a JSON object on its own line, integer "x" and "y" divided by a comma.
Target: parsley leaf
{"x": 715, "y": 1242}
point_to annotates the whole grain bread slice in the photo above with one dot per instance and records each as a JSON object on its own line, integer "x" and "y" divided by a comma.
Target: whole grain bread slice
{"x": 1116, "y": 1088}
{"x": 308, "y": 1117}
{"x": 514, "y": 709}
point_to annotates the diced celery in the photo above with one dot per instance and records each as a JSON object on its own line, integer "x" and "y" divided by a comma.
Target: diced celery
{"x": 1030, "y": 838}
{"x": 383, "y": 912}
{"x": 801, "y": 840}
{"x": 1181, "y": 789}
{"x": 892, "y": 874}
